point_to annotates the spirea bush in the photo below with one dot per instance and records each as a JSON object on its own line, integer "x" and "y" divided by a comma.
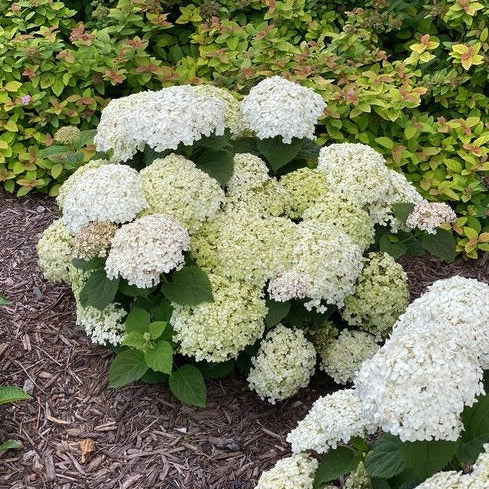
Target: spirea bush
{"x": 425, "y": 388}
{"x": 214, "y": 233}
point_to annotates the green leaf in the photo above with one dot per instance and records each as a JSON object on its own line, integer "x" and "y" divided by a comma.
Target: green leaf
{"x": 385, "y": 461}
{"x": 215, "y": 370}
{"x": 86, "y": 265}
{"x": 395, "y": 249}
{"x": 12, "y": 394}
{"x": 425, "y": 458}
{"x": 187, "y": 384}
{"x": 276, "y": 312}
{"x": 476, "y": 430}
{"x": 402, "y": 210}
{"x": 156, "y": 329}
{"x": 334, "y": 464}
{"x": 308, "y": 150}
{"x": 152, "y": 377}
{"x": 385, "y": 142}
{"x": 4, "y": 301}
{"x": 133, "y": 291}
{"x": 160, "y": 358}
{"x": 245, "y": 145}
{"x": 217, "y": 164}
{"x": 10, "y": 445}
{"x": 442, "y": 244}
{"x": 128, "y": 366}
{"x": 85, "y": 138}
{"x": 138, "y": 320}
{"x": 99, "y": 291}
{"x": 380, "y": 484}
{"x": 189, "y": 286}
{"x": 161, "y": 312}
{"x": 135, "y": 340}
{"x": 278, "y": 153}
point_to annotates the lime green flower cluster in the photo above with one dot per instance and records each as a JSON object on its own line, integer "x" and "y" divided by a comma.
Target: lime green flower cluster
{"x": 381, "y": 295}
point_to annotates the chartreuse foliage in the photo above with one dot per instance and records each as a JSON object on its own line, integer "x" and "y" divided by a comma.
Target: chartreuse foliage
{"x": 407, "y": 78}
{"x": 393, "y": 464}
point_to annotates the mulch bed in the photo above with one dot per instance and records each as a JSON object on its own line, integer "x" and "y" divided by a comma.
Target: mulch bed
{"x": 143, "y": 437}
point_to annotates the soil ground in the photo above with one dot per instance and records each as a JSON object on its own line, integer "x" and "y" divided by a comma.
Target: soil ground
{"x": 142, "y": 437}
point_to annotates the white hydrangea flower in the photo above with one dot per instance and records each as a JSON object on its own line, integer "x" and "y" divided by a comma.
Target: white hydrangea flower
{"x": 480, "y": 470}
{"x": 360, "y": 173}
{"x": 417, "y": 385}
{"x": 162, "y": 120}
{"x": 54, "y": 251}
{"x": 278, "y": 107}
{"x": 381, "y": 295}
{"x": 144, "y": 249}
{"x": 343, "y": 356}
{"x": 295, "y": 472}
{"x": 70, "y": 181}
{"x": 345, "y": 215}
{"x": 328, "y": 260}
{"x": 233, "y": 119}
{"x": 333, "y": 419}
{"x": 283, "y": 365}
{"x": 249, "y": 172}
{"x": 102, "y": 326}
{"x": 286, "y": 286}
{"x": 255, "y": 249}
{"x": 447, "y": 480}
{"x": 306, "y": 187}
{"x": 429, "y": 216}
{"x": 218, "y": 331}
{"x": 461, "y": 302}
{"x": 359, "y": 478}
{"x": 174, "y": 185}
{"x": 110, "y": 192}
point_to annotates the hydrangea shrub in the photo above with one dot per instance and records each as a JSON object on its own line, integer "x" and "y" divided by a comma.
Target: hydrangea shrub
{"x": 215, "y": 232}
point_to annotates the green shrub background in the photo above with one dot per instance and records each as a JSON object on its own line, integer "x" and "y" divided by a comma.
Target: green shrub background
{"x": 407, "y": 77}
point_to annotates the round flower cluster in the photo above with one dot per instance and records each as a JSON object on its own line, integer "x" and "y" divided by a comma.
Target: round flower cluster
{"x": 249, "y": 172}
{"x": 54, "y": 251}
{"x": 175, "y": 186}
{"x": 343, "y": 356}
{"x": 359, "y": 478}
{"x": 295, "y": 472}
{"x": 278, "y": 107}
{"x": 360, "y": 173}
{"x": 381, "y": 295}
{"x": 328, "y": 261}
{"x": 283, "y": 365}
{"x": 110, "y": 192}
{"x": 333, "y": 419}
{"x": 94, "y": 240}
{"x": 218, "y": 331}
{"x": 67, "y": 135}
{"x": 428, "y": 216}
{"x": 162, "y": 120}
{"x": 417, "y": 385}
{"x": 306, "y": 187}
{"x": 144, "y": 249}
{"x": 74, "y": 177}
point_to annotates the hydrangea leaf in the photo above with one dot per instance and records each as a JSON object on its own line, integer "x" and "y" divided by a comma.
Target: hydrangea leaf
{"x": 278, "y": 153}
{"x": 442, "y": 244}
{"x": 395, "y": 249}
{"x": 217, "y": 164}
{"x": 10, "y": 445}
{"x": 128, "y": 366}
{"x": 385, "y": 461}
{"x": 334, "y": 464}
{"x": 187, "y": 384}
{"x": 135, "y": 340}
{"x": 99, "y": 291}
{"x": 211, "y": 370}
{"x": 425, "y": 458}
{"x": 137, "y": 320}
{"x": 189, "y": 286}
{"x": 160, "y": 358}
{"x": 402, "y": 210}
{"x": 12, "y": 394}
{"x": 476, "y": 430}
{"x": 156, "y": 329}
{"x": 276, "y": 312}
{"x": 3, "y": 300}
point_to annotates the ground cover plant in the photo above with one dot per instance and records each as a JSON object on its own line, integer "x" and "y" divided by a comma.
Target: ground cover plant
{"x": 293, "y": 264}
{"x": 406, "y": 78}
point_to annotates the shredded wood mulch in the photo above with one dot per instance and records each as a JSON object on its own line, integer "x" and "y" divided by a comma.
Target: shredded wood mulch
{"x": 77, "y": 433}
